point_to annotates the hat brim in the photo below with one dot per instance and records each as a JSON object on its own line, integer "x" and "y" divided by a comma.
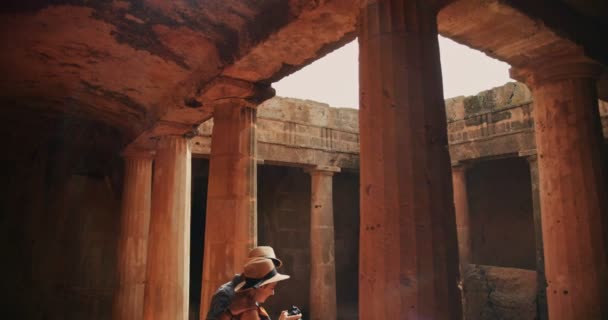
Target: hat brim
{"x": 276, "y": 278}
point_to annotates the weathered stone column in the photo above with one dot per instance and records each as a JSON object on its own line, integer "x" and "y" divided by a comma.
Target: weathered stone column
{"x": 167, "y": 278}
{"x": 541, "y": 296}
{"x": 231, "y": 222}
{"x": 408, "y": 260}
{"x": 461, "y": 206}
{"x": 572, "y": 187}
{"x": 133, "y": 238}
{"x": 322, "y": 248}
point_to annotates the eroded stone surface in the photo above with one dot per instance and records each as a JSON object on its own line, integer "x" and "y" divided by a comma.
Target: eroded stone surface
{"x": 495, "y": 122}
{"x": 499, "y": 293}
{"x": 299, "y": 132}
{"x": 290, "y": 131}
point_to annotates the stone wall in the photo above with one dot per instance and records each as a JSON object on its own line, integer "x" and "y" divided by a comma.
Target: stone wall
{"x": 299, "y": 132}
{"x": 499, "y": 293}
{"x": 284, "y": 223}
{"x": 495, "y": 123}
{"x": 58, "y": 233}
{"x": 501, "y": 216}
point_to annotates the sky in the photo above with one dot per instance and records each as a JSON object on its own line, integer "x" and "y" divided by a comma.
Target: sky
{"x": 334, "y": 78}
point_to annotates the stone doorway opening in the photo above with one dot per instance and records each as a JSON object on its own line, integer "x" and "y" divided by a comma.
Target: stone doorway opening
{"x": 501, "y": 280}
{"x": 502, "y": 222}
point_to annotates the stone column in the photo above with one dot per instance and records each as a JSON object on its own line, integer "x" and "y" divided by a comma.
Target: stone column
{"x": 133, "y": 238}
{"x": 541, "y": 296}
{"x": 167, "y": 278}
{"x": 461, "y": 206}
{"x": 322, "y": 248}
{"x": 231, "y": 222}
{"x": 408, "y": 260}
{"x": 572, "y": 186}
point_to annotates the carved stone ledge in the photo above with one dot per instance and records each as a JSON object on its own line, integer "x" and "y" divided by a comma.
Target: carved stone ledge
{"x": 322, "y": 169}
{"x": 230, "y": 88}
{"x": 555, "y": 68}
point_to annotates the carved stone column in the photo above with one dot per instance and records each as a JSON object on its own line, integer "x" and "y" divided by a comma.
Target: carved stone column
{"x": 322, "y": 247}
{"x": 231, "y": 222}
{"x": 541, "y": 296}
{"x": 572, "y": 186}
{"x": 408, "y": 260}
{"x": 167, "y": 278}
{"x": 133, "y": 238}
{"x": 461, "y": 206}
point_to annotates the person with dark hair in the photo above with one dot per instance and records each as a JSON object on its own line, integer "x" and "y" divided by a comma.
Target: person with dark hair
{"x": 220, "y": 301}
{"x": 260, "y": 278}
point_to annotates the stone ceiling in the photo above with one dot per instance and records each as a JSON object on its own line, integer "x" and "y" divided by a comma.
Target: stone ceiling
{"x": 151, "y": 67}
{"x": 590, "y": 8}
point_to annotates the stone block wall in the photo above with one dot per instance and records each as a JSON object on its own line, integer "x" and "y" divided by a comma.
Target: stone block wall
{"x": 308, "y": 124}
{"x": 299, "y": 132}
{"x": 501, "y": 214}
{"x": 496, "y": 122}
{"x": 489, "y": 101}
{"x": 60, "y": 222}
{"x": 284, "y": 223}
{"x": 499, "y": 293}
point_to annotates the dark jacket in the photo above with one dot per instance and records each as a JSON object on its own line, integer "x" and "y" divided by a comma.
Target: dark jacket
{"x": 242, "y": 305}
{"x": 222, "y": 297}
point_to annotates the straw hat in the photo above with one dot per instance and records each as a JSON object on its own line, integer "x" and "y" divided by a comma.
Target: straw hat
{"x": 258, "y": 272}
{"x": 265, "y": 252}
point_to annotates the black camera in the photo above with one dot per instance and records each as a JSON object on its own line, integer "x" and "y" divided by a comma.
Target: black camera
{"x": 293, "y": 311}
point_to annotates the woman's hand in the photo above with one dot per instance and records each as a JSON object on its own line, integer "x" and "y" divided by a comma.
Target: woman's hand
{"x": 284, "y": 316}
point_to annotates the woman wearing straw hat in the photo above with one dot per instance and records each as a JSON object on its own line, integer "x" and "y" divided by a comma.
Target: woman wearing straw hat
{"x": 223, "y": 296}
{"x": 260, "y": 280}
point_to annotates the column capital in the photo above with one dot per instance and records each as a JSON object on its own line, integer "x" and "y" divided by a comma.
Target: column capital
{"x": 460, "y": 165}
{"x": 232, "y": 108}
{"x": 530, "y": 155}
{"x": 325, "y": 170}
{"x": 434, "y": 5}
{"x": 135, "y": 152}
{"x": 232, "y": 102}
{"x": 222, "y": 88}
{"x": 167, "y": 137}
{"x": 554, "y": 68}
{"x": 167, "y": 128}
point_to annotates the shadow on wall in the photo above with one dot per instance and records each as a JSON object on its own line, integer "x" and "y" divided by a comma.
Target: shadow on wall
{"x": 501, "y": 215}
{"x": 284, "y": 224}
{"x": 198, "y": 198}
{"x": 61, "y": 223}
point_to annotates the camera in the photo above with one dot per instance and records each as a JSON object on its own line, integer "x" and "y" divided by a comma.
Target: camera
{"x": 293, "y": 311}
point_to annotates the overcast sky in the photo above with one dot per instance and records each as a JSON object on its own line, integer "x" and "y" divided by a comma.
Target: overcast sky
{"x": 334, "y": 79}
